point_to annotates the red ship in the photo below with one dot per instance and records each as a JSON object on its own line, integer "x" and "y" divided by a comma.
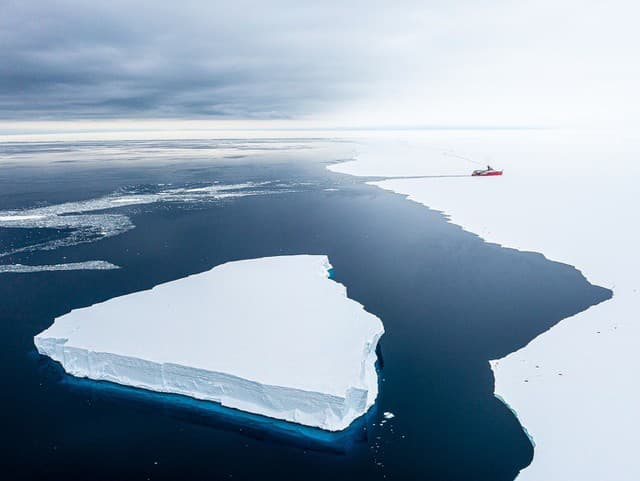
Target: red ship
{"x": 486, "y": 172}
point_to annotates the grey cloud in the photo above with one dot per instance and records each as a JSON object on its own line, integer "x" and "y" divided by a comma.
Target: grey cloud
{"x": 78, "y": 59}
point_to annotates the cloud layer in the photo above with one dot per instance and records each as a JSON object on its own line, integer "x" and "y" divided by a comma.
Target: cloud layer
{"x": 226, "y": 59}
{"x": 410, "y": 63}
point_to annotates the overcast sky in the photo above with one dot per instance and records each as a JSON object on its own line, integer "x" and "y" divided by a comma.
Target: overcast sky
{"x": 456, "y": 63}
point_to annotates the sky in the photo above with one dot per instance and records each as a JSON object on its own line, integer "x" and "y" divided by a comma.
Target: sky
{"x": 358, "y": 64}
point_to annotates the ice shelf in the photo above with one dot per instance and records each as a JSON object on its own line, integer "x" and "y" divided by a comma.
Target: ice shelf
{"x": 580, "y": 403}
{"x": 273, "y": 336}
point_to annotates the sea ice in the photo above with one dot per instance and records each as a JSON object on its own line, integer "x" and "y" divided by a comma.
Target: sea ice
{"x": 95, "y": 219}
{"x": 69, "y": 266}
{"x": 18, "y": 218}
{"x": 571, "y": 196}
{"x": 273, "y": 336}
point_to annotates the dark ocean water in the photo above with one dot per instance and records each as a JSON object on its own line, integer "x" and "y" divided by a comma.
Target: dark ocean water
{"x": 449, "y": 302}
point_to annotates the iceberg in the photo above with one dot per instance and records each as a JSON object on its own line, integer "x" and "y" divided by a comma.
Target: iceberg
{"x": 273, "y": 336}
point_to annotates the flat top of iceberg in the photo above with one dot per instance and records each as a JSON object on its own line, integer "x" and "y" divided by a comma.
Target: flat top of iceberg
{"x": 275, "y": 320}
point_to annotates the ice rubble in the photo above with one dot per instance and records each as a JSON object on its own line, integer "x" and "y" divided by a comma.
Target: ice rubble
{"x": 272, "y": 336}
{"x": 94, "y": 219}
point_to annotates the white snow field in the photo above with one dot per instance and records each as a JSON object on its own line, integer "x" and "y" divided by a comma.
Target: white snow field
{"x": 273, "y": 336}
{"x": 574, "y": 198}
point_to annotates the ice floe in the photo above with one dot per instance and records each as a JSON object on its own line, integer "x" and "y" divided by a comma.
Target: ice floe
{"x": 70, "y": 266}
{"x": 272, "y": 336}
{"x": 19, "y": 218}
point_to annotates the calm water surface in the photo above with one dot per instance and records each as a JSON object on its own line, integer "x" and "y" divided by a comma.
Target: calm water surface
{"x": 449, "y": 302}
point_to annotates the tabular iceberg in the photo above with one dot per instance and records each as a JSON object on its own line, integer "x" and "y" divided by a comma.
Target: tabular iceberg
{"x": 272, "y": 336}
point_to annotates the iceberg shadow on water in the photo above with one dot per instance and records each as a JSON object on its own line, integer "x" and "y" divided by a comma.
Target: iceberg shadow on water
{"x": 215, "y": 415}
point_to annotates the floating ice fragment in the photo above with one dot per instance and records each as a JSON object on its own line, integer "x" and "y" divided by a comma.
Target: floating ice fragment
{"x": 16, "y": 218}
{"x": 70, "y": 266}
{"x": 84, "y": 222}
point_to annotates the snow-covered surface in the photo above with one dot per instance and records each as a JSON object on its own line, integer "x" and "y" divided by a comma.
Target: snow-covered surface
{"x": 272, "y": 336}
{"x": 574, "y": 198}
{"x": 402, "y": 158}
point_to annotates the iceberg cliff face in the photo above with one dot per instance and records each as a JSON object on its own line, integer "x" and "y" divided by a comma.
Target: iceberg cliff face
{"x": 272, "y": 336}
